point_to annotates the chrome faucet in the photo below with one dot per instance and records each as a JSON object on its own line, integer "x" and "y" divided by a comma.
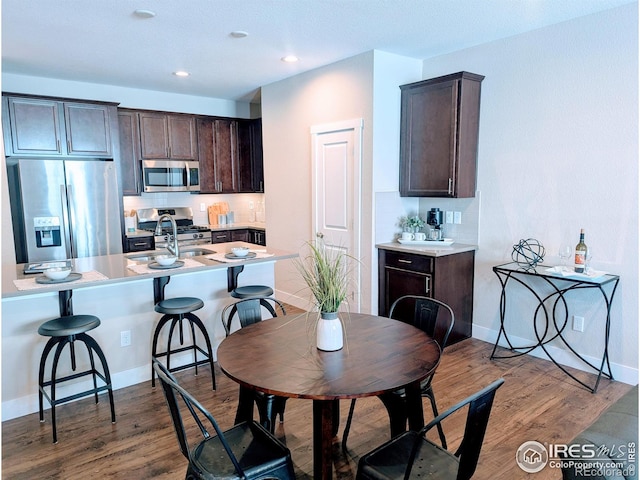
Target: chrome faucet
{"x": 172, "y": 245}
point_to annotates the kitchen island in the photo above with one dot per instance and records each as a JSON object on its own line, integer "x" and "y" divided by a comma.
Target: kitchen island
{"x": 119, "y": 289}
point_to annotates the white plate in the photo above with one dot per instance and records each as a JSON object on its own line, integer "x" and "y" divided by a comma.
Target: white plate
{"x": 445, "y": 242}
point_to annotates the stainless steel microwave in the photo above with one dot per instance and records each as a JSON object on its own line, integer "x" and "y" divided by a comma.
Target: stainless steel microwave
{"x": 170, "y": 176}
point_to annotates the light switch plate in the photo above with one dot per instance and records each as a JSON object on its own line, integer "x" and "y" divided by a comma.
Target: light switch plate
{"x": 448, "y": 217}
{"x": 457, "y": 217}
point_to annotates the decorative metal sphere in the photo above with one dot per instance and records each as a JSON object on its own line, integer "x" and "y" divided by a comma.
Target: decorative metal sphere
{"x": 528, "y": 253}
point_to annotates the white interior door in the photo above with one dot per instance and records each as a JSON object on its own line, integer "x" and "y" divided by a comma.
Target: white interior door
{"x": 336, "y": 193}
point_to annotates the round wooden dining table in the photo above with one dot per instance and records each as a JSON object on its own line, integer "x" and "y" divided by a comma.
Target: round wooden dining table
{"x": 380, "y": 355}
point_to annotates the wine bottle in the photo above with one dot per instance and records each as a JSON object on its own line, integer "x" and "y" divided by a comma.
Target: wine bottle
{"x": 581, "y": 254}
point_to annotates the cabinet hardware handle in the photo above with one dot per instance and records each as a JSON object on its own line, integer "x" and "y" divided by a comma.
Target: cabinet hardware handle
{"x": 320, "y": 235}
{"x": 68, "y": 146}
{"x": 449, "y": 188}
{"x": 140, "y": 244}
{"x": 426, "y": 284}
{"x": 400, "y": 260}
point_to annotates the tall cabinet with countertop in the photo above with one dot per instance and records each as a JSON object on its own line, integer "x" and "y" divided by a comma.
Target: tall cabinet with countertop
{"x": 439, "y": 127}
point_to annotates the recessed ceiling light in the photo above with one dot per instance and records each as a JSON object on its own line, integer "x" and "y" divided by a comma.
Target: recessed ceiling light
{"x": 181, "y": 73}
{"x": 290, "y": 59}
{"x": 141, "y": 13}
{"x": 239, "y": 34}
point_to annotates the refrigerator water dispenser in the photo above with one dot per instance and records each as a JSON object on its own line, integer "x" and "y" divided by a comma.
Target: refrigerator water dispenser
{"x": 47, "y": 230}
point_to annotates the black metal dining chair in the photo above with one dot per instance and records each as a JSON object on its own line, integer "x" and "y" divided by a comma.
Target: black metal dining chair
{"x": 242, "y": 314}
{"x": 412, "y": 455}
{"x": 245, "y": 451}
{"x": 436, "y": 319}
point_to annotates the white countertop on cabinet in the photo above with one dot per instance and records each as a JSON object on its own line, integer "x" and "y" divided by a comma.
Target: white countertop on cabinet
{"x": 427, "y": 250}
{"x": 116, "y": 268}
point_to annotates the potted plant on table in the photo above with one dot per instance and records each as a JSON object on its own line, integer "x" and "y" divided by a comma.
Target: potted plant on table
{"x": 326, "y": 273}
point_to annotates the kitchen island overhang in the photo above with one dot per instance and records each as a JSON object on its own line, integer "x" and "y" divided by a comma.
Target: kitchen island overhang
{"x": 124, "y": 302}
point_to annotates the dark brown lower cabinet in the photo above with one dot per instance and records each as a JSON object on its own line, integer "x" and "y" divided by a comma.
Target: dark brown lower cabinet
{"x": 220, "y": 236}
{"x": 446, "y": 278}
{"x": 240, "y": 235}
{"x": 250, "y": 235}
{"x": 139, "y": 244}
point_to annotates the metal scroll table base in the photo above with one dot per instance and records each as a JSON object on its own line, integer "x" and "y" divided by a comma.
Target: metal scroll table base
{"x": 554, "y": 321}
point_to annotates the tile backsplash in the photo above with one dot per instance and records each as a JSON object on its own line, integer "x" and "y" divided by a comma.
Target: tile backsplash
{"x": 390, "y": 207}
{"x": 240, "y": 204}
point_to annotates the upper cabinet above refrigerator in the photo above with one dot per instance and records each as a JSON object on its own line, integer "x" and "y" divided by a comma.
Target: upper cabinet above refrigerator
{"x": 440, "y": 119}
{"x": 58, "y": 128}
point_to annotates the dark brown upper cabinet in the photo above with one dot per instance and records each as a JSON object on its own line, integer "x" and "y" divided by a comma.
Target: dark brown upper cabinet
{"x": 218, "y": 153}
{"x": 36, "y": 126}
{"x": 130, "y": 167}
{"x": 168, "y": 136}
{"x": 439, "y": 136}
{"x": 251, "y": 169}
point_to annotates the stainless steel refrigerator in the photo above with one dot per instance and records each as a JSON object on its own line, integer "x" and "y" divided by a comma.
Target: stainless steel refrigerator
{"x": 64, "y": 209}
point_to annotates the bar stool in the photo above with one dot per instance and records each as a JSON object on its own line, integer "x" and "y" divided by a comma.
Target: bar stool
{"x": 255, "y": 291}
{"x": 175, "y": 310}
{"x": 66, "y": 331}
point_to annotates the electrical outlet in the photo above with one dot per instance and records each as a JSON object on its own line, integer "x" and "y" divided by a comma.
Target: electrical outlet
{"x": 203, "y": 207}
{"x": 125, "y": 338}
{"x": 448, "y": 217}
{"x": 457, "y": 217}
{"x": 578, "y": 323}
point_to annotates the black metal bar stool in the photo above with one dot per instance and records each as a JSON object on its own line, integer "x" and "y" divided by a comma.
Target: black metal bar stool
{"x": 260, "y": 292}
{"x": 66, "y": 331}
{"x": 176, "y": 310}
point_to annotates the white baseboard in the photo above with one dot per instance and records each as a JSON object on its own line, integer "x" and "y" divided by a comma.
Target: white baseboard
{"x": 621, "y": 373}
{"x": 28, "y": 404}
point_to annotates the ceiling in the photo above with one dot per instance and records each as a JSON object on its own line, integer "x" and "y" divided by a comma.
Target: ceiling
{"x": 105, "y": 42}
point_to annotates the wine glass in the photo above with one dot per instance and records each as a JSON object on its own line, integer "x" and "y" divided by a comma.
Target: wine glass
{"x": 587, "y": 260}
{"x": 564, "y": 254}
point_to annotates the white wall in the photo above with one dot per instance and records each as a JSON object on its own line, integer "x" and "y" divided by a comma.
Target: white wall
{"x": 364, "y": 86}
{"x": 126, "y": 97}
{"x": 338, "y": 92}
{"x": 558, "y": 152}
{"x": 551, "y": 98}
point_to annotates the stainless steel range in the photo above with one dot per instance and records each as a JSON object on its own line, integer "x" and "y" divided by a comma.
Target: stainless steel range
{"x": 188, "y": 233}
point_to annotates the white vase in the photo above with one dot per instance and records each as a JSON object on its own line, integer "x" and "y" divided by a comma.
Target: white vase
{"x": 329, "y": 332}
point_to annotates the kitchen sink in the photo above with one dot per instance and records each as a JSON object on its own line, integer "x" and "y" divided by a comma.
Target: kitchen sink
{"x": 186, "y": 253}
{"x": 194, "y": 252}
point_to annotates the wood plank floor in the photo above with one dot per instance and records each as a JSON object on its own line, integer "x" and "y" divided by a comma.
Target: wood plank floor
{"x": 537, "y": 402}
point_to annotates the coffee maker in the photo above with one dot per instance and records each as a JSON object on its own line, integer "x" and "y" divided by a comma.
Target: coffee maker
{"x": 434, "y": 220}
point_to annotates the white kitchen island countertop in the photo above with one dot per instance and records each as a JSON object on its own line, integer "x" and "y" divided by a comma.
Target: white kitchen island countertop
{"x": 116, "y": 268}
